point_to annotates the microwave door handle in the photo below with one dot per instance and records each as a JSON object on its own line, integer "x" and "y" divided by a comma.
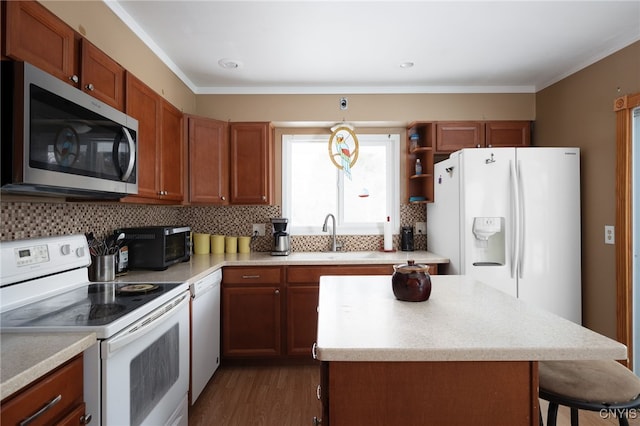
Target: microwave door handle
{"x": 132, "y": 156}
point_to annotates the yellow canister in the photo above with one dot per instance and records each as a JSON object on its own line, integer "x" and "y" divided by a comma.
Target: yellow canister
{"x": 231, "y": 244}
{"x": 200, "y": 243}
{"x": 217, "y": 244}
{"x": 244, "y": 244}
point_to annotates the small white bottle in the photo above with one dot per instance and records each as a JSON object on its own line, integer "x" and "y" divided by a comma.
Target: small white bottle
{"x": 418, "y": 167}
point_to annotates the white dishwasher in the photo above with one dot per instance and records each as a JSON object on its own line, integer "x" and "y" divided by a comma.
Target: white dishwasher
{"x": 205, "y": 331}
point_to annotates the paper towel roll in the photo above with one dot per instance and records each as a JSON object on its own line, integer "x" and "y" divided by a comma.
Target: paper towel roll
{"x": 388, "y": 238}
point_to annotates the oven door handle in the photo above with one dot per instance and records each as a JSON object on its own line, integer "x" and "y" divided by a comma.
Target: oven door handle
{"x": 145, "y": 325}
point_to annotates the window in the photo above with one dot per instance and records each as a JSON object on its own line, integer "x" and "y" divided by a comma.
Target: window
{"x": 312, "y": 186}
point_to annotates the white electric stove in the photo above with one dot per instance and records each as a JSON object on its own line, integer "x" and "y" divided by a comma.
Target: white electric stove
{"x": 138, "y": 372}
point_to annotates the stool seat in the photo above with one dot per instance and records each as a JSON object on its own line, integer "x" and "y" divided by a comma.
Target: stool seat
{"x": 604, "y": 381}
{"x": 587, "y": 384}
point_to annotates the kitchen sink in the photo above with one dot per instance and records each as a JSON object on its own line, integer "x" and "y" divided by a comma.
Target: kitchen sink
{"x": 334, "y": 255}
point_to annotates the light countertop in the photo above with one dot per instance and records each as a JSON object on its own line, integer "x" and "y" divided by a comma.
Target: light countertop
{"x": 201, "y": 265}
{"x": 26, "y": 357}
{"x": 463, "y": 320}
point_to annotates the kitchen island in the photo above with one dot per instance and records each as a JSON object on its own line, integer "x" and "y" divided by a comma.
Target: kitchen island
{"x": 468, "y": 355}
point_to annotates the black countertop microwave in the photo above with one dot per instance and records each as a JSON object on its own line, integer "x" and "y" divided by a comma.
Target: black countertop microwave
{"x": 157, "y": 247}
{"x": 58, "y": 140}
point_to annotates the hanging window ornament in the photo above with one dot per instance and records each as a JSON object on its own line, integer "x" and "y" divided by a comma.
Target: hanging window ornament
{"x": 343, "y": 148}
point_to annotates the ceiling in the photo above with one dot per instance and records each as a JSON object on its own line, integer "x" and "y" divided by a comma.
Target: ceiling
{"x": 303, "y": 46}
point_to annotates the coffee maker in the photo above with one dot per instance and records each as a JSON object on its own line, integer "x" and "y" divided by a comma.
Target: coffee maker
{"x": 281, "y": 242}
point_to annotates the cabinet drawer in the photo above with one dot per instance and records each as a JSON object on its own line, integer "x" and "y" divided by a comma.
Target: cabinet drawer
{"x": 63, "y": 384}
{"x": 311, "y": 274}
{"x": 252, "y": 275}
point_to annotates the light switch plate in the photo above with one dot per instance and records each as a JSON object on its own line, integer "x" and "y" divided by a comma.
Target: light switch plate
{"x": 609, "y": 234}
{"x": 421, "y": 228}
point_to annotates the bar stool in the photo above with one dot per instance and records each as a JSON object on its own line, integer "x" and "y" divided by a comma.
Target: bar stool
{"x": 588, "y": 385}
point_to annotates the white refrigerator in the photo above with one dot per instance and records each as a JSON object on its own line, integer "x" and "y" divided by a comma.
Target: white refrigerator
{"x": 510, "y": 217}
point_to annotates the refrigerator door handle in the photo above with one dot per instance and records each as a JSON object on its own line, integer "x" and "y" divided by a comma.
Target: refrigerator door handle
{"x": 521, "y": 220}
{"x": 515, "y": 246}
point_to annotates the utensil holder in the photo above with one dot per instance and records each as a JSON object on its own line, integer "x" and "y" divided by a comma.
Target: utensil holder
{"x": 102, "y": 268}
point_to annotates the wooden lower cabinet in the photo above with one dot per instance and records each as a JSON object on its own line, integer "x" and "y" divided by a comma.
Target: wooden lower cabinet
{"x": 302, "y": 318}
{"x": 303, "y": 283}
{"x": 252, "y": 306}
{"x": 272, "y": 311}
{"x": 64, "y": 385}
{"x": 429, "y": 393}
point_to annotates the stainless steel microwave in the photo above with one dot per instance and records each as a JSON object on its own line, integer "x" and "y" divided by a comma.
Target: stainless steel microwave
{"x": 57, "y": 139}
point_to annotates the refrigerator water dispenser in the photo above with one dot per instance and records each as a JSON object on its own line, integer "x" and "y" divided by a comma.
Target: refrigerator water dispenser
{"x": 489, "y": 247}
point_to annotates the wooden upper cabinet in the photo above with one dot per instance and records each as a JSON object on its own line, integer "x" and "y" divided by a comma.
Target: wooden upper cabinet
{"x": 101, "y": 76}
{"x": 160, "y": 145}
{"x": 33, "y": 34}
{"x": 452, "y": 136}
{"x": 208, "y": 160}
{"x": 507, "y": 133}
{"x": 171, "y": 153}
{"x": 251, "y": 156}
{"x": 143, "y": 104}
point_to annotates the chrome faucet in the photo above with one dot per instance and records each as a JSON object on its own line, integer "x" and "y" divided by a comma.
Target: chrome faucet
{"x": 333, "y": 231}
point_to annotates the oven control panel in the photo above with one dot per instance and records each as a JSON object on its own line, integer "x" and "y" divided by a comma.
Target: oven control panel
{"x": 31, "y": 255}
{"x": 29, "y": 259}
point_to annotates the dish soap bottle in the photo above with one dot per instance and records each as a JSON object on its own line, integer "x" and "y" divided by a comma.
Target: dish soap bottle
{"x": 418, "y": 167}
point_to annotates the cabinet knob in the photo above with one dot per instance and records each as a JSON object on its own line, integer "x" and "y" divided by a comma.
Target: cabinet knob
{"x": 316, "y": 421}
{"x": 277, "y": 292}
{"x": 264, "y": 198}
{"x": 85, "y": 419}
{"x": 89, "y": 87}
{"x": 314, "y": 354}
{"x": 74, "y": 78}
{"x": 319, "y": 392}
{"x": 223, "y": 198}
{"x": 478, "y": 146}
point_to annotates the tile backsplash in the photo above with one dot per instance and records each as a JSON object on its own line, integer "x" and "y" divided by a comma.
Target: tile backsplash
{"x": 22, "y": 220}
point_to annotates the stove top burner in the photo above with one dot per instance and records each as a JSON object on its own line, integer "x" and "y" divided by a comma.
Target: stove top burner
{"x": 95, "y": 304}
{"x": 133, "y": 289}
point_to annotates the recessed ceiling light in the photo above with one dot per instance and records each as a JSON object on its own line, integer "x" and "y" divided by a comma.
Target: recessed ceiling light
{"x": 228, "y": 63}
{"x": 407, "y": 64}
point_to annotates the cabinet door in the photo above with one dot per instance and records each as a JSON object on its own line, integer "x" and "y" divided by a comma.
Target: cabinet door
{"x": 143, "y": 104}
{"x": 77, "y": 417}
{"x": 251, "y": 321}
{"x": 302, "y": 319}
{"x": 452, "y": 136}
{"x": 101, "y": 76}
{"x": 208, "y": 161}
{"x": 508, "y": 133}
{"x": 33, "y": 34}
{"x": 251, "y": 155}
{"x": 64, "y": 385}
{"x": 171, "y": 154}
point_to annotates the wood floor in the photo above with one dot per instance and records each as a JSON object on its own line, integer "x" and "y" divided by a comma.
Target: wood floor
{"x": 286, "y": 396}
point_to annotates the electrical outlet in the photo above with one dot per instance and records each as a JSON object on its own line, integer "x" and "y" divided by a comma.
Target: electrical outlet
{"x": 259, "y": 228}
{"x": 421, "y": 228}
{"x": 609, "y": 234}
